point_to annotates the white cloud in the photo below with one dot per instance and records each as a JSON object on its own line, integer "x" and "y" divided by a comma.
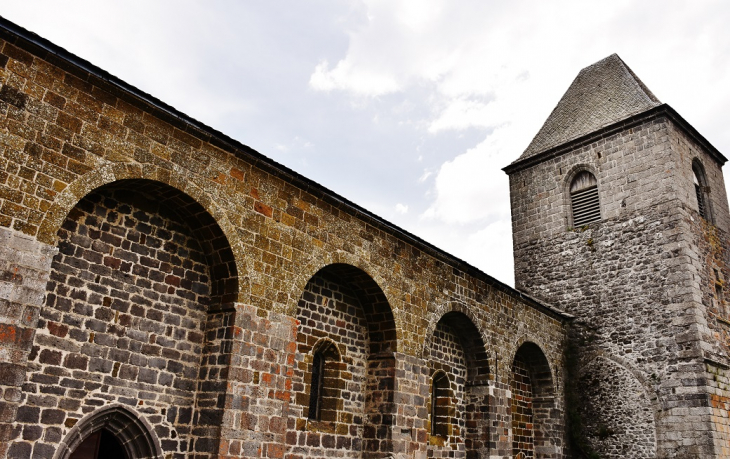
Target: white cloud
{"x": 406, "y": 76}
{"x": 462, "y": 113}
{"x": 343, "y": 77}
{"x": 472, "y": 187}
{"x": 490, "y": 250}
{"x": 425, "y": 176}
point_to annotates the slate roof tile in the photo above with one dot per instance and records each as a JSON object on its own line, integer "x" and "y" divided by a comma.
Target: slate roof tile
{"x": 602, "y": 94}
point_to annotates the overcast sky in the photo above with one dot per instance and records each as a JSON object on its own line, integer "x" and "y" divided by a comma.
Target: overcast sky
{"x": 408, "y": 108}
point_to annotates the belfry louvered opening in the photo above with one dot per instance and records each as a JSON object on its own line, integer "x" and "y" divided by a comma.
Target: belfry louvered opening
{"x": 584, "y": 199}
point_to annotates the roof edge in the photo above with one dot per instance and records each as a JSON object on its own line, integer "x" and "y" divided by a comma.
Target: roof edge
{"x": 627, "y": 123}
{"x": 608, "y": 74}
{"x": 79, "y": 67}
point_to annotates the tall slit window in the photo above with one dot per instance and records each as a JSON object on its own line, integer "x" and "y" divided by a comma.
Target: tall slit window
{"x": 700, "y": 183}
{"x": 315, "y": 396}
{"x": 441, "y": 404}
{"x": 584, "y": 199}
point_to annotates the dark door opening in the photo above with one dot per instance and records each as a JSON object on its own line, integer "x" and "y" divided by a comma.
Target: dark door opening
{"x": 100, "y": 445}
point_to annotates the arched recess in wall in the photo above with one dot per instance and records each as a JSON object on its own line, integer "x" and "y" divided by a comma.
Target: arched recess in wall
{"x": 125, "y": 429}
{"x": 342, "y": 306}
{"x": 536, "y": 423}
{"x": 144, "y": 283}
{"x": 108, "y": 174}
{"x": 459, "y": 402}
{"x": 324, "y": 259}
{"x": 616, "y": 409}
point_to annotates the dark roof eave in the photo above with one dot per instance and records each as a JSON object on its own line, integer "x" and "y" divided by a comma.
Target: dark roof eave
{"x": 87, "y": 71}
{"x": 661, "y": 110}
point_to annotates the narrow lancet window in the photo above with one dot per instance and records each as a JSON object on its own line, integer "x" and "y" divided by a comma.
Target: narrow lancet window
{"x": 315, "y": 396}
{"x": 440, "y": 404}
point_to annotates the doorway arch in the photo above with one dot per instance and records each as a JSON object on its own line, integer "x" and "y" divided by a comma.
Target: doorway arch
{"x": 132, "y": 432}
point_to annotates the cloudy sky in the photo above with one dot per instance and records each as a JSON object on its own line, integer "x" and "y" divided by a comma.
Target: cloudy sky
{"x": 409, "y": 108}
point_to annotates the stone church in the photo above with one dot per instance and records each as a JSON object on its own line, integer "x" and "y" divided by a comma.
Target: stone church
{"x": 167, "y": 292}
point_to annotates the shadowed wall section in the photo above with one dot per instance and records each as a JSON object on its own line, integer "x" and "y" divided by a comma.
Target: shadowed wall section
{"x": 138, "y": 310}
{"x": 459, "y": 403}
{"x": 536, "y": 425}
{"x": 343, "y": 308}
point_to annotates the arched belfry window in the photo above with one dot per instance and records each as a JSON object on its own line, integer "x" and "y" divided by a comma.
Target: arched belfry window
{"x": 701, "y": 189}
{"x": 584, "y": 199}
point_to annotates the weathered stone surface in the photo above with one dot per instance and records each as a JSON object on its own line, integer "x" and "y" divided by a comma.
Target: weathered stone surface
{"x": 170, "y": 285}
{"x": 646, "y": 283}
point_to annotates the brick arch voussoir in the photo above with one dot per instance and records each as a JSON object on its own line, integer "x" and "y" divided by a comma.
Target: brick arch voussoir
{"x": 574, "y": 171}
{"x": 111, "y": 173}
{"x": 324, "y": 344}
{"x": 321, "y": 261}
{"x": 132, "y": 430}
{"x": 526, "y": 338}
{"x": 651, "y": 394}
{"x": 437, "y": 313}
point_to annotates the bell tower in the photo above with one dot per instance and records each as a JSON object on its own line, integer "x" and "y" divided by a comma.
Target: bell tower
{"x": 620, "y": 218}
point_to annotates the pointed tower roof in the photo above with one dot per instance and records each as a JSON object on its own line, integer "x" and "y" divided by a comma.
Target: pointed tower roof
{"x": 602, "y": 94}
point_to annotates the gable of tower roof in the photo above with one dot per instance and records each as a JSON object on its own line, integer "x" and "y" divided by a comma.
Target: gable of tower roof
{"x": 602, "y": 94}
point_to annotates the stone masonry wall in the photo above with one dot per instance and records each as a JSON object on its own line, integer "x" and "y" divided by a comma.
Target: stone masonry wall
{"x": 25, "y": 266}
{"x": 330, "y": 315}
{"x": 533, "y": 401}
{"x": 456, "y": 350}
{"x": 447, "y": 356}
{"x": 220, "y": 383}
{"x": 708, "y": 248}
{"x": 123, "y": 321}
{"x": 523, "y": 434}
{"x": 631, "y": 279}
{"x": 626, "y": 426}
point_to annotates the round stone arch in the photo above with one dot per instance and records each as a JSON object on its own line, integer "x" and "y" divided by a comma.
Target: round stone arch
{"x": 435, "y": 316}
{"x": 645, "y": 382}
{"x": 111, "y": 173}
{"x": 318, "y": 263}
{"x": 457, "y": 339}
{"x": 325, "y": 343}
{"x": 363, "y": 321}
{"x": 525, "y": 338}
{"x": 702, "y": 190}
{"x": 573, "y": 172}
{"x": 619, "y": 410}
{"x": 537, "y": 424}
{"x": 133, "y": 432}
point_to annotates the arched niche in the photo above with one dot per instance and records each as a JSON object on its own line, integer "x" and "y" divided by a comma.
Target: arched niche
{"x": 456, "y": 350}
{"x": 702, "y": 190}
{"x": 536, "y": 424}
{"x": 342, "y": 307}
{"x": 142, "y": 292}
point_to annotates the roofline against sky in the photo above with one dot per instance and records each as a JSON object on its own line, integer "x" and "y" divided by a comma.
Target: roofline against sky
{"x": 627, "y": 123}
{"x": 86, "y": 71}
